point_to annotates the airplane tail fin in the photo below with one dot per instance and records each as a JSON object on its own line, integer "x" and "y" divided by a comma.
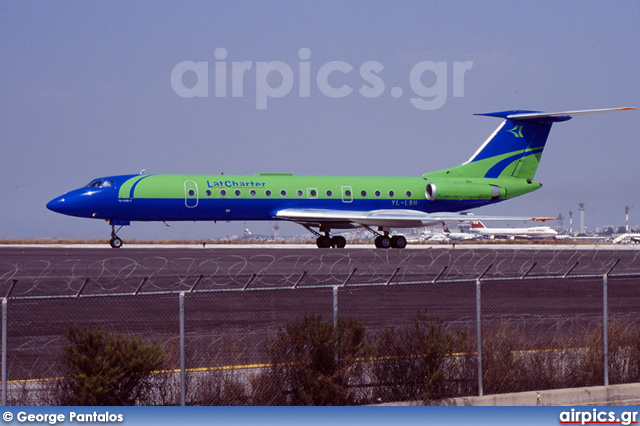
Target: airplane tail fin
{"x": 445, "y": 228}
{"x": 515, "y": 147}
{"x": 476, "y": 224}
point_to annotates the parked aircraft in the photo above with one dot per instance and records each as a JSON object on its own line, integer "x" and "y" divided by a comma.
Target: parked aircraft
{"x": 457, "y": 236}
{"x": 433, "y": 236}
{"x": 502, "y": 168}
{"x": 478, "y": 228}
{"x": 627, "y": 238}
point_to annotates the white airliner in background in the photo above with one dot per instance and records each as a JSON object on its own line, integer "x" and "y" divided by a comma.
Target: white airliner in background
{"x": 478, "y": 228}
{"x": 627, "y": 238}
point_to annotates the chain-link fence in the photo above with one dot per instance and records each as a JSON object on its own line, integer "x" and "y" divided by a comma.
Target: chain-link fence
{"x": 252, "y": 329}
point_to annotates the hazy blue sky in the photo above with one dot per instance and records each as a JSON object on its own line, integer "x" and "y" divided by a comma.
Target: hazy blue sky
{"x": 86, "y": 91}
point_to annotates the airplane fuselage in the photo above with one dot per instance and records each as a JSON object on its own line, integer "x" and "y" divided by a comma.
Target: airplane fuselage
{"x": 259, "y": 197}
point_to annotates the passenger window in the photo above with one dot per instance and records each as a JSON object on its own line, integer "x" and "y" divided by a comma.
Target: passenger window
{"x": 312, "y": 193}
{"x": 253, "y": 192}
{"x": 347, "y": 193}
{"x": 192, "y": 193}
{"x": 299, "y": 193}
{"x": 329, "y": 193}
{"x": 208, "y": 192}
{"x": 267, "y": 193}
{"x": 237, "y": 192}
{"x": 223, "y": 192}
{"x": 363, "y": 193}
{"x": 377, "y": 193}
{"x": 391, "y": 193}
{"x": 408, "y": 194}
{"x": 283, "y": 193}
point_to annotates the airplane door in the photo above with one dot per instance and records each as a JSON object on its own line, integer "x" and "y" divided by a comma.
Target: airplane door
{"x": 190, "y": 194}
{"x": 347, "y": 194}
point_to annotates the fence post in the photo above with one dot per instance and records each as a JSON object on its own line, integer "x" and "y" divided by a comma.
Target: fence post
{"x": 182, "y": 361}
{"x": 605, "y": 322}
{"x": 4, "y": 351}
{"x": 335, "y": 307}
{"x": 479, "y": 326}
{"x": 335, "y": 319}
{"x": 479, "y": 334}
{"x": 605, "y": 330}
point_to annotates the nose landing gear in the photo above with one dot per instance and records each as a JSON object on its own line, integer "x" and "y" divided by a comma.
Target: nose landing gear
{"x": 115, "y": 241}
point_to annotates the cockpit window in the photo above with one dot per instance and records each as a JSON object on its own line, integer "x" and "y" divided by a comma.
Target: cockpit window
{"x": 94, "y": 183}
{"x": 100, "y": 183}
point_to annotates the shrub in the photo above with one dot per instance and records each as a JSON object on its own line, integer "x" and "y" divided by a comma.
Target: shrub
{"x": 107, "y": 368}
{"x": 314, "y": 363}
{"x": 415, "y": 362}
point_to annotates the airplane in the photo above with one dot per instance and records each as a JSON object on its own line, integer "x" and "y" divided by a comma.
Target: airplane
{"x": 627, "y": 238}
{"x": 478, "y": 228}
{"x": 457, "y": 236}
{"x": 433, "y": 236}
{"x": 502, "y": 168}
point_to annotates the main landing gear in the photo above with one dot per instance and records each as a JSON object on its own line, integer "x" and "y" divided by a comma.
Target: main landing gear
{"x": 384, "y": 240}
{"x": 326, "y": 240}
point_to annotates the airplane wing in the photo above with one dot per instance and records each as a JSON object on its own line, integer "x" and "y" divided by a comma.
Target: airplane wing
{"x": 344, "y": 219}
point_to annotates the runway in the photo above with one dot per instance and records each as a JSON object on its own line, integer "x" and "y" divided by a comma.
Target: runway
{"x": 63, "y": 270}
{"x": 238, "y": 298}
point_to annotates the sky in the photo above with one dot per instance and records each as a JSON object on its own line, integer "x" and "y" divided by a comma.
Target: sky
{"x": 91, "y": 89}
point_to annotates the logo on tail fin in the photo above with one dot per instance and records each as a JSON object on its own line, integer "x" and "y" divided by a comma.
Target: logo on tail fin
{"x": 516, "y": 131}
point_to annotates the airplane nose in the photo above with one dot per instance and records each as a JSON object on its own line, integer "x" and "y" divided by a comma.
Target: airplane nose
{"x": 58, "y": 205}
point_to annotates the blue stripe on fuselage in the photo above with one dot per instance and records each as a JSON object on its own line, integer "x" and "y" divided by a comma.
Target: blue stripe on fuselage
{"x": 133, "y": 187}
{"x": 152, "y": 209}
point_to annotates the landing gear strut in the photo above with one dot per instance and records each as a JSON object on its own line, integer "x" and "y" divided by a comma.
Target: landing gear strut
{"x": 115, "y": 241}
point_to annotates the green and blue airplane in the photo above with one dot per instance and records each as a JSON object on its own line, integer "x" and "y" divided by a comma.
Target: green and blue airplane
{"x": 503, "y": 167}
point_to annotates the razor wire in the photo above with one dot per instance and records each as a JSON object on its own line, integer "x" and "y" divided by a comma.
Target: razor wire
{"x": 211, "y": 271}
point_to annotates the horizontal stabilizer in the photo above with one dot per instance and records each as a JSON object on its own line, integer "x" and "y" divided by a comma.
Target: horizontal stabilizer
{"x": 539, "y": 115}
{"x": 554, "y": 116}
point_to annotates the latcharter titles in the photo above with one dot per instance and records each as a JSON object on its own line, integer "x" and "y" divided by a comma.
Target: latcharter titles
{"x": 233, "y": 184}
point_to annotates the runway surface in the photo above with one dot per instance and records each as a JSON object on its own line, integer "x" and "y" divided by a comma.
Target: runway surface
{"x": 63, "y": 270}
{"x": 225, "y": 324}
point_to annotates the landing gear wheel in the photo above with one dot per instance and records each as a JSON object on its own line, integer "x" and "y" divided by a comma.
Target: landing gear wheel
{"x": 115, "y": 242}
{"x": 383, "y": 241}
{"x": 398, "y": 241}
{"x": 323, "y": 241}
{"x": 338, "y": 241}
